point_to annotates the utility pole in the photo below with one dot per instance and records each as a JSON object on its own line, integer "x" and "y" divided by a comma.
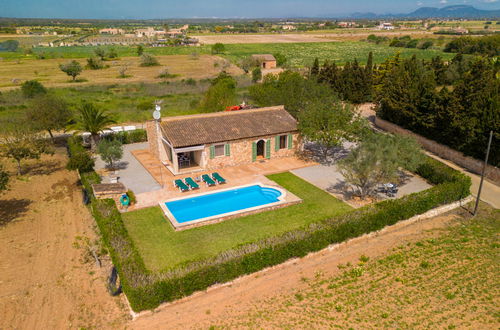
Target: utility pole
{"x": 482, "y": 174}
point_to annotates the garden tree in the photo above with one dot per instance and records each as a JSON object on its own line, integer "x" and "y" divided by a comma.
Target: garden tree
{"x": 140, "y": 50}
{"x": 218, "y": 48}
{"x": 148, "y": 60}
{"x": 315, "y": 68}
{"x": 329, "y": 122}
{"x": 378, "y": 159}
{"x": 290, "y": 89}
{"x": 48, "y": 113}
{"x": 4, "y": 178}
{"x": 110, "y": 151}
{"x": 280, "y": 59}
{"x": 92, "y": 120}
{"x": 256, "y": 74}
{"x": 95, "y": 63}
{"x": 426, "y": 45}
{"x": 248, "y": 63}
{"x": 221, "y": 94}
{"x": 99, "y": 52}
{"x": 72, "y": 69}
{"x": 19, "y": 143}
{"x": 32, "y": 88}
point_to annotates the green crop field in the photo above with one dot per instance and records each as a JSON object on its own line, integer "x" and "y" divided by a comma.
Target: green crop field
{"x": 298, "y": 54}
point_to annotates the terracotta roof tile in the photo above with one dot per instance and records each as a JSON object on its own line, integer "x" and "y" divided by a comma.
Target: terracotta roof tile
{"x": 264, "y": 57}
{"x": 227, "y": 126}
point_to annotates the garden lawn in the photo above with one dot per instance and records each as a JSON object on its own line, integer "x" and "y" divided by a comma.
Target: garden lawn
{"x": 162, "y": 248}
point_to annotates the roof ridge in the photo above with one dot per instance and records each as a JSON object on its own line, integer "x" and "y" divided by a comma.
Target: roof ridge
{"x": 222, "y": 113}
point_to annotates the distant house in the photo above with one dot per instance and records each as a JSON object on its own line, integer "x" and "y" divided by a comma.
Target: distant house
{"x": 146, "y": 32}
{"x": 386, "y": 26}
{"x": 461, "y": 30}
{"x": 111, "y": 31}
{"x": 289, "y": 27}
{"x": 211, "y": 141}
{"x": 267, "y": 61}
{"x": 347, "y": 24}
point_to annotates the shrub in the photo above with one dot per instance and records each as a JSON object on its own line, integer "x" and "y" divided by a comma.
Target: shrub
{"x": 95, "y": 63}
{"x": 138, "y": 135}
{"x": 131, "y": 196}
{"x": 79, "y": 157}
{"x": 149, "y": 60}
{"x": 146, "y": 290}
{"x": 218, "y": 48}
{"x": 145, "y": 105}
{"x": 32, "y": 88}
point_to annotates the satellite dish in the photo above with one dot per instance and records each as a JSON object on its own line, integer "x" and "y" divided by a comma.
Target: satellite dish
{"x": 158, "y": 108}
{"x": 156, "y": 115}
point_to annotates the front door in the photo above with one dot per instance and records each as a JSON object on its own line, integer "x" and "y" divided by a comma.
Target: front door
{"x": 261, "y": 148}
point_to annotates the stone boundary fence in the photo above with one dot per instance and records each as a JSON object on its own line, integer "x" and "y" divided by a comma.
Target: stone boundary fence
{"x": 492, "y": 173}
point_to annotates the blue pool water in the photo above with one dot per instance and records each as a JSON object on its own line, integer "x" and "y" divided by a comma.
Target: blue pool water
{"x": 194, "y": 208}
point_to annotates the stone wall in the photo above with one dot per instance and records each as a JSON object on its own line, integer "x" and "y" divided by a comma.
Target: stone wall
{"x": 241, "y": 152}
{"x": 492, "y": 173}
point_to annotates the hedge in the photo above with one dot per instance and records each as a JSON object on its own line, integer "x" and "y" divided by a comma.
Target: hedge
{"x": 138, "y": 135}
{"x": 146, "y": 290}
{"x": 79, "y": 157}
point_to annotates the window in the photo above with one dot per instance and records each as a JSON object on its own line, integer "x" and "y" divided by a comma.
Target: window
{"x": 283, "y": 140}
{"x": 219, "y": 150}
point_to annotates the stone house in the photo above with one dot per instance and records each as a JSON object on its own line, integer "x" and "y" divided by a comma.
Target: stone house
{"x": 186, "y": 144}
{"x": 267, "y": 61}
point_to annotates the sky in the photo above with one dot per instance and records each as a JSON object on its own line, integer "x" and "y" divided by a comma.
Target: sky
{"x": 150, "y": 9}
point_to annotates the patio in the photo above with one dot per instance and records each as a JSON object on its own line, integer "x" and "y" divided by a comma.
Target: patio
{"x": 235, "y": 176}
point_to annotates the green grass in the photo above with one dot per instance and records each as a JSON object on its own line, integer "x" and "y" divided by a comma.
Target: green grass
{"x": 446, "y": 280}
{"x": 163, "y": 248}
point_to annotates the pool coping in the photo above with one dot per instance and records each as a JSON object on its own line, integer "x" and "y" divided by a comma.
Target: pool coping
{"x": 282, "y": 201}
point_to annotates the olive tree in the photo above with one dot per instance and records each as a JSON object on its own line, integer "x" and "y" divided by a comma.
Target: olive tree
{"x": 378, "y": 159}
{"x": 110, "y": 151}
{"x": 72, "y": 69}
{"x": 48, "y": 113}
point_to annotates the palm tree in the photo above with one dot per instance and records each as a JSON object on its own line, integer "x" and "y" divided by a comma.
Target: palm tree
{"x": 92, "y": 120}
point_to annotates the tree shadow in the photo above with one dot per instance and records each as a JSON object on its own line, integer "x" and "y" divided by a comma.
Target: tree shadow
{"x": 333, "y": 155}
{"x": 12, "y": 209}
{"x": 43, "y": 167}
{"x": 341, "y": 188}
{"x": 118, "y": 166}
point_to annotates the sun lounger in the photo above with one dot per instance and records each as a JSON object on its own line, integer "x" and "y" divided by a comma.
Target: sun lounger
{"x": 216, "y": 176}
{"x": 190, "y": 182}
{"x": 181, "y": 185}
{"x": 208, "y": 180}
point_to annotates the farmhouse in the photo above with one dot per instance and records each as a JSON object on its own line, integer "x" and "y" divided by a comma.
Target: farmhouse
{"x": 191, "y": 143}
{"x": 267, "y": 61}
{"x": 386, "y": 26}
{"x": 111, "y": 31}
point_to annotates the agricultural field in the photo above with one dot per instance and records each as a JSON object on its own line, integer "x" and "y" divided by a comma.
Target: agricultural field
{"x": 303, "y": 54}
{"x": 48, "y": 73}
{"x": 446, "y": 280}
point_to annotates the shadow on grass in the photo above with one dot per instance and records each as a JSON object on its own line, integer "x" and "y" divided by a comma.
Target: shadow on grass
{"x": 12, "y": 209}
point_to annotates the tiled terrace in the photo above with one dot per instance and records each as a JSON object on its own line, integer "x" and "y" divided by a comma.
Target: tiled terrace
{"x": 235, "y": 176}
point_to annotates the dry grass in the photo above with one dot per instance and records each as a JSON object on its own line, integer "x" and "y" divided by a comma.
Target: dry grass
{"x": 48, "y": 72}
{"x": 449, "y": 280}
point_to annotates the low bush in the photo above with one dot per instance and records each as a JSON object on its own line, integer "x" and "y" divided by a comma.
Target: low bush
{"x": 146, "y": 290}
{"x": 32, "y": 88}
{"x": 131, "y": 196}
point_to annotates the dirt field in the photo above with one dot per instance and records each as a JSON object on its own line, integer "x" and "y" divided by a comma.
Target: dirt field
{"x": 301, "y": 37}
{"x": 14, "y": 72}
{"x": 43, "y": 282}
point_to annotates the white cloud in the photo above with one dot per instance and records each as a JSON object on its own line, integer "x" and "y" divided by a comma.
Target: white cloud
{"x": 489, "y": 1}
{"x": 443, "y": 1}
{"x": 420, "y": 3}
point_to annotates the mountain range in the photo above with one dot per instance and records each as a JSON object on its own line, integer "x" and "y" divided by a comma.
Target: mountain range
{"x": 456, "y": 11}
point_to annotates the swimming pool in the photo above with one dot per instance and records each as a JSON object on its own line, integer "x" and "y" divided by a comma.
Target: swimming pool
{"x": 222, "y": 203}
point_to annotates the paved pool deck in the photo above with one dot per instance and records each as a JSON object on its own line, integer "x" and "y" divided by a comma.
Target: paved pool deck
{"x": 130, "y": 171}
{"x": 328, "y": 178}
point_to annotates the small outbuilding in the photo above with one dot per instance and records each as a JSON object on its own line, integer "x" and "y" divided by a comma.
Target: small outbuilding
{"x": 267, "y": 61}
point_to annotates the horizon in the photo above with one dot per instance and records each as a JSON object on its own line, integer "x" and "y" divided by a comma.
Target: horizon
{"x": 227, "y": 9}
